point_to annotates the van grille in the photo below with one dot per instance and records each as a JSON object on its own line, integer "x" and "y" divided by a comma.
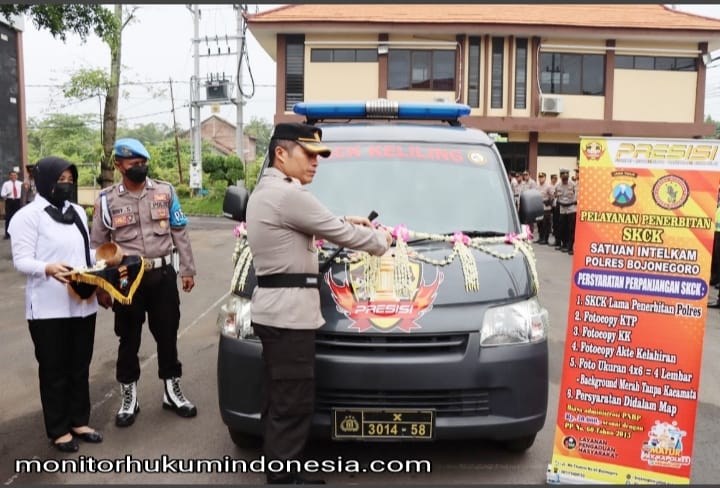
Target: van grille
{"x": 392, "y": 343}
{"x": 447, "y": 403}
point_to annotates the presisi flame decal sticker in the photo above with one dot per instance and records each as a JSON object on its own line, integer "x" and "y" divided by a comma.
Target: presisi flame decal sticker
{"x": 381, "y": 308}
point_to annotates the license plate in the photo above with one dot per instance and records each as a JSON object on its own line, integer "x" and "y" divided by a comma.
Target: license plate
{"x": 377, "y": 423}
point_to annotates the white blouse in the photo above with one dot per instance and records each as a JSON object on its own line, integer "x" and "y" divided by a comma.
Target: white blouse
{"x": 36, "y": 240}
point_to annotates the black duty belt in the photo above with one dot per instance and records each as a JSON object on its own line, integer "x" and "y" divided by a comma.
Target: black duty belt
{"x": 289, "y": 280}
{"x": 567, "y": 204}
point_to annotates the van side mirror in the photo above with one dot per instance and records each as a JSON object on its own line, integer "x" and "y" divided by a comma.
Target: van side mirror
{"x": 531, "y": 206}
{"x": 235, "y": 203}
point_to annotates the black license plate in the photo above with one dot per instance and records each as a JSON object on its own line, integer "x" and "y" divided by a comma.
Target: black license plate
{"x": 377, "y": 423}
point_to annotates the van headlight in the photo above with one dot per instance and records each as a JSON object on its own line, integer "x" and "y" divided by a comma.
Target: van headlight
{"x": 234, "y": 318}
{"x": 518, "y": 323}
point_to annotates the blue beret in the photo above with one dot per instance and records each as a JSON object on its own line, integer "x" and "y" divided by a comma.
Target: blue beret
{"x": 130, "y": 148}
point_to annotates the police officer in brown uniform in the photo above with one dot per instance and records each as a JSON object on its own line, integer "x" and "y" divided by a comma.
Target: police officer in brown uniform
{"x": 566, "y": 194}
{"x": 547, "y": 193}
{"x": 143, "y": 216}
{"x": 283, "y": 221}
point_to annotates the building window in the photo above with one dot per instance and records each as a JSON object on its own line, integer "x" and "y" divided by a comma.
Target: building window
{"x": 656, "y": 63}
{"x": 343, "y": 55}
{"x": 521, "y": 61}
{"x": 572, "y": 74}
{"x": 294, "y": 70}
{"x": 497, "y": 71}
{"x": 421, "y": 69}
{"x": 473, "y": 90}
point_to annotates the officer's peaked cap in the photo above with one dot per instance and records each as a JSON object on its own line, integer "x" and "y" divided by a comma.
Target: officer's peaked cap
{"x": 564, "y": 170}
{"x": 130, "y": 148}
{"x": 307, "y": 136}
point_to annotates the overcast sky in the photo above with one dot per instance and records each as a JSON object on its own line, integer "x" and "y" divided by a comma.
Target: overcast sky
{"x": 157, "y": 46}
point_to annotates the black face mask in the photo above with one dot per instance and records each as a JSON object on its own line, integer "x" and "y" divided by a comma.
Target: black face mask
{"x": 137, "y": 174}
{"x": 61, "y": 192}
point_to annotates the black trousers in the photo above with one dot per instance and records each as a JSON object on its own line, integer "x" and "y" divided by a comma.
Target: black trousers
{"x": 567, "y": 230}
{"x": 288, "y": 391}
{"x": 544, "y": 225}
{"x": 556, "y": 224}
{"x": 157, "y": 296}
{"x": 715, "y": 263}
{"x": 63, "y": 349}
{"x": 12, "y": 205}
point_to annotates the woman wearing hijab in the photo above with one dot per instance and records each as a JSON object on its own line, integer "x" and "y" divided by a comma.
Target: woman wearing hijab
{"x": 48, "y": 239}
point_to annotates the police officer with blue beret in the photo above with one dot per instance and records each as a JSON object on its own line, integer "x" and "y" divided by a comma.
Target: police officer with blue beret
{"x": 143, "y": 216}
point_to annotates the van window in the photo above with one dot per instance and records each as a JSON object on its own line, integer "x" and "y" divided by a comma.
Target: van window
{"x": 434, "y": 188}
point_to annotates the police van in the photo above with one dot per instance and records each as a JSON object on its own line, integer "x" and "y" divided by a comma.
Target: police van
{"x": 441, "y": 338}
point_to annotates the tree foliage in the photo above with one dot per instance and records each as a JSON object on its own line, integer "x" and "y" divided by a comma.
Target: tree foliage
{"x": 261, "y": 130}
{"x": 59, "y": 19}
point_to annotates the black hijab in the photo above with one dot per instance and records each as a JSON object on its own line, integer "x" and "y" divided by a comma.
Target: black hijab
{"x": 48, "y": 170}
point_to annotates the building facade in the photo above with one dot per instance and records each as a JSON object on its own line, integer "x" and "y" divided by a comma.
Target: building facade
{"x": 539, "y": 76}
{"x": 13, "y": 139}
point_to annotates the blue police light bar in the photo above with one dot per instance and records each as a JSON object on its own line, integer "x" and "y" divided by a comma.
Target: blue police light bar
{"x": 381, "y": 109}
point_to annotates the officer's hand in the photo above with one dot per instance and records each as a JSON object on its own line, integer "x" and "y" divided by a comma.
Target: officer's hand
{"x": 188, "y": 283}
{"x": 388, "y": 237}
{"x": 58, "y": 271}
{"x": 364, "y": 221}
{"x": 104, "y": 298}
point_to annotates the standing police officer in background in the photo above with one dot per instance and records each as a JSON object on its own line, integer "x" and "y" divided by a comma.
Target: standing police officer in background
{"x": 566, "y": 194}
{"x": 283, "y": 221}
{"x": 547, "y": 193}
{"x": 715, "y": 263}
{"x": 143, "y": 216}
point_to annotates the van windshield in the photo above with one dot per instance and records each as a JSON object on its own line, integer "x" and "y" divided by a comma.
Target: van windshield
{"x": 434, "y": 188}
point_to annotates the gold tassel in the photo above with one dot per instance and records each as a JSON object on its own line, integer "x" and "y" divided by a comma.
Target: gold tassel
{"x": 403, "y": 272}
{"x": 108, "y": 287}
{"x": 469, "y": 266}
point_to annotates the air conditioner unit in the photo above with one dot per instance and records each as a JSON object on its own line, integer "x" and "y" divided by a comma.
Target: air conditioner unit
{"x": 551, "y": 104}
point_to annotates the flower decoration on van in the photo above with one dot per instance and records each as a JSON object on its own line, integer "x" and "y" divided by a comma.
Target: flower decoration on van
{"x": 461, "y": 244}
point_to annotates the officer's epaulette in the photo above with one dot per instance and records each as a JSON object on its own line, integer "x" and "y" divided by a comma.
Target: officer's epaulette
{"x": 163, "y": 182}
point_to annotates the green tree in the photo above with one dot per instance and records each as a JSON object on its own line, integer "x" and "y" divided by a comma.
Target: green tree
{"x": 261, "y": 130}
{"x": 152, "y": 133}
{"x": 59, "y": 19}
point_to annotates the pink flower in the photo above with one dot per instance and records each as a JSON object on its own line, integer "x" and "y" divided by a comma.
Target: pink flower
{"x": 401, "y": 232}
{"x": 460, "y": 237}
{"x": 319, "y": 242}
{"x": 240, "y": 229}
{"x": 511, "y": 237}
{"x": 528, "y": 231}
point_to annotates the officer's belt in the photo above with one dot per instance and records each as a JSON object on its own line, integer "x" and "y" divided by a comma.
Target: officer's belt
{"x": 155, "y": 263}
{"x": 289, "y": 280}
{"x": 567, "y": 204}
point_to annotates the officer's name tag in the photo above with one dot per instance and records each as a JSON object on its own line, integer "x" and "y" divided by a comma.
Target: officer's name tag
{"x": 121, "y": 220}
{"x": 122, "y": 210}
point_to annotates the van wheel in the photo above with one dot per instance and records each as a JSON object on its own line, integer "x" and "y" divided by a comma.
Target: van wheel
{"x": 245, "y": 440}
{"x": 519, "y": 444}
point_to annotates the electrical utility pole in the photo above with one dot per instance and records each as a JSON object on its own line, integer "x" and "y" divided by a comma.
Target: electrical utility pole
{"x": 239, "y": 137}
{"x": 196, "y": 161}
{"x": 217, "y": 91}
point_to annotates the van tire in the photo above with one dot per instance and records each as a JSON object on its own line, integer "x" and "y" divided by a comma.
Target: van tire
{"x": 244, "y": 440}
{"x": 519, "y": 444}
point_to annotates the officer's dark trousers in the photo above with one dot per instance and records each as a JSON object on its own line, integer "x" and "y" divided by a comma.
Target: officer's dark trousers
{"x": 157, "y": 296}
{"x": 12, "y": 205}
{"x": 567, "y": 230}
{"x": 556, "y": 224}
{"x": 288, "y": 392}
{"x": 715, "y": 263}
{"x": 63, "y": 349}
{"x": 544, "y": 226}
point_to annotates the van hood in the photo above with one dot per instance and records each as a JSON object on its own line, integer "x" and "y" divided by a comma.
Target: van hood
{"x": 436, "y": 299}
